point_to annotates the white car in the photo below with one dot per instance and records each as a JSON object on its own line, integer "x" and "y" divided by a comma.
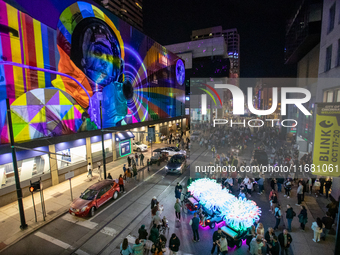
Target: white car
{"x": 174, "y": 150}
{"x": 138, "y": 146}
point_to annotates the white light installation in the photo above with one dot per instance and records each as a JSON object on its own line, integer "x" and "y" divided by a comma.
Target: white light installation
{"x": 239, "y": 214}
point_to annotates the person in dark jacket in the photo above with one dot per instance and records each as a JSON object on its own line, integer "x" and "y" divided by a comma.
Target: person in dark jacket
{"x": 289, "y": 216}
{"x": 328, "y": 221}
{"x": 216, "y": 238}
{"x": 194, "y": 226}
{"x": 174, "y": 244}
{"x": 274, "y": 246}
{"x": 303, "y": 217}
{"x": 142, "y": 233}
{"x": 328, "y": 185}
{"x": 153, "y": 202}
{"x": 178, "y": 190}
{"x": 154, "y": 234}
{"x": 109, "y": 176}
{"x": 285, "y": 240}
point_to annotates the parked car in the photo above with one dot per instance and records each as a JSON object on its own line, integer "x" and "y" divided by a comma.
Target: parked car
{"x": 176, "y": 164}
{"x": 173, "y": 151}
{"x": 138, "y": 146}
{"x": 94, "y": 197}
{"x": 158, "y": 155}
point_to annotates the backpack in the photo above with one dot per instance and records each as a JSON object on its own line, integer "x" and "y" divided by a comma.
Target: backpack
{"x": 294, "y": 214}
{"x": 277, "y": 215}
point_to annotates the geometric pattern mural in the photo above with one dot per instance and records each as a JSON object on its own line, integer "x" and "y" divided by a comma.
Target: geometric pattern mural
{"x": 45, "y": 112}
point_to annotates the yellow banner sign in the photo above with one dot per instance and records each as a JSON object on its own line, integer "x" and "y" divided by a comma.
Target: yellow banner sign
{"x": 326, "y": 153}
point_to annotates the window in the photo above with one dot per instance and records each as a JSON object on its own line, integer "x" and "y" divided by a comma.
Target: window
{"x": 331, "y": 18}
{"x": 328, "y": 58}
{"x": 338, "y": 96}
{"x": 338, "y": 56}
{"x": 329, "y": 97}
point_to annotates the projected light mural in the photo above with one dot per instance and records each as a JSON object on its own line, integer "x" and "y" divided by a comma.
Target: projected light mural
{"x": 57, "y": 79}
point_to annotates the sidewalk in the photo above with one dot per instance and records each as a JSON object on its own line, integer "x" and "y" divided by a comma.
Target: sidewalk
{"x": 302, "y": 241}
{"x": 57, "y": 202}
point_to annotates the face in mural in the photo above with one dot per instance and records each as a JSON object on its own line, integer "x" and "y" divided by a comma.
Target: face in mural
{"x": 101, "y": 57}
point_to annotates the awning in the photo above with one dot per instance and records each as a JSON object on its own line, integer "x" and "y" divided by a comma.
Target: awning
{"x": 124, "y": 135}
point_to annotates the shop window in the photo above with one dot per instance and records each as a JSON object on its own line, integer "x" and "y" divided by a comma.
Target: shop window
{"x": 96, "y": 148}
{"x": 71, "y": 156}
{"x": 27, "y": 168}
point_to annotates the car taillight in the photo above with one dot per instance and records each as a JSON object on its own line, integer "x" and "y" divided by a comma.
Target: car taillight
{"x": 195, "y": 206}
{"x": 208, "y": 220}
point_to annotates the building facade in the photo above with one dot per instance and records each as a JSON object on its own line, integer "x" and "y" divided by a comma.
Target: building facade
{"x": 130, "y": 11}
{"x": 232, "y": 39}
{"x": 90, "y": 72}
{"x": 302, "y": 49}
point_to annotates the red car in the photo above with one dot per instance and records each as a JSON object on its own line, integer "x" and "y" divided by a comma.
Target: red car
{"x": 94, "y": 197}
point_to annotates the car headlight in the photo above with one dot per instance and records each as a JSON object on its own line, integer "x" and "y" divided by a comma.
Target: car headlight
{"x": 166, "y": 167}
{"x": 83, "y": 209}
{"x": 178, "y": 168}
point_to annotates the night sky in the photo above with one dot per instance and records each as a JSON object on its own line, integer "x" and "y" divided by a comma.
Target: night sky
{"x": 260, "y": 23}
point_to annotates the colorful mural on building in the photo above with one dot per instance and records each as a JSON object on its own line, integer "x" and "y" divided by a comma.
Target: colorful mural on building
{"x": 58, "y": 79}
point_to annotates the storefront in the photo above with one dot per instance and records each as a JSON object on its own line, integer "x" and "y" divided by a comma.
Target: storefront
{"x": 123, "y": 143}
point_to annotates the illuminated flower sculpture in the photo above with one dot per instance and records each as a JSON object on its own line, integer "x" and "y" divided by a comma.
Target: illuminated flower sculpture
{"x": 239, "y": 214}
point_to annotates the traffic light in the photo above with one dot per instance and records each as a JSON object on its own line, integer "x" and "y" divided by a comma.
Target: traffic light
{"x": 34, "y": 186}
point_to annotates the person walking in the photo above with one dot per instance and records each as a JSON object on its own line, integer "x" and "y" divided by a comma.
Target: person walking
{"x": 138, "y": 247}
{"x": 125, "y": 248}
{"x": 328, "y": 185}
{"x": 154, "y": 233}
{"x": 194, "y": 222}
{"x": 303, "y": 218}
{"x": 157, "y": 220}
{"x": 299, "y": 193}
{"x": 129, "y": 161}
{"x": 124, "y": 170}
{"x": 99, "y": 172}
{"x": 285, "y": 240}
{"x": 178, "y": 190}
{"x": 148, "y": 164}
{"x": 280, "y": 182}
{"x": 317, "y": 185}
{"x": 178, "y": 210}
{"x": 141, "y": 159}
{"x": 213, "y": 151}
{"x": 274, "y": 246}
{"x": 134, "y": 171}
{"x": 223, "y": 244}
{"x": 142, "y": 233}
{"x": 277, "y": 214}
{"x": 288, "y": 187}
{"x": 153, "y": 202}
{"x": 216, "y": 239}
{"x": 289, "y": 216}
{"x": 260, "y": 182}
{"x": 109, "y": 176}
{"x": 121, "y": 184}
{"x": 273, "y": 202}
{"x": 174, "y": 244}
{"x": 136, "y": 158}
{"x": 317, "y": 227}
{"x": 328, "y": 222}
{"x": 89, "y": 171}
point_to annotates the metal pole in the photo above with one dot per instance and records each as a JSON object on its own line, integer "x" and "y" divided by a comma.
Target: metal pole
{"x": 15, "y": 167}
{"x": 42, "y": 206}
{"x": 35, "y": 213}
{"x": 71, "y": 189}
{"x": 42, "y": 195}
{"x": 103, "y": 147}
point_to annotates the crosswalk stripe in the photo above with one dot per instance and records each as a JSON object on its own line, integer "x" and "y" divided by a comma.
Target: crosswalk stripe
{"x": 52, "y": 240}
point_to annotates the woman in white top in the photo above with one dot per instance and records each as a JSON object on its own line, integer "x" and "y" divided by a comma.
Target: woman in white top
{"x": 260, "y": 230}
{"x": 89, "y": 171}
{"x": 317, "y": 227}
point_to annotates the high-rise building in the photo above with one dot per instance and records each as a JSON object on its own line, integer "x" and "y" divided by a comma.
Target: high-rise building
{"x": 302, "y": 49}
{"x": 232, "y": 39}
{"x": 129, "y": 10}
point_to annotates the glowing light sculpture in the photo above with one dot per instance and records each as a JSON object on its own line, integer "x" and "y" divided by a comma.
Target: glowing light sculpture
{"x": 240, "y": 214}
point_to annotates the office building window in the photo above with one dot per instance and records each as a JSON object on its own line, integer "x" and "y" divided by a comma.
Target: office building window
{"x": 329, "y": 96}
{"x": 338, "y": 55}
{"x": 331, "y": 18}
{"x": 328, "y": 58}
{"x": 338, "y": 96}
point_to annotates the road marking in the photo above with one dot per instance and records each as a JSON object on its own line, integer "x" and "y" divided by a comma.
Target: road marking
{"x": 96, "y": 215}
{"x": 52, "y": 240}
{"x": 79, "y": 221}
{"x": 108, "y": 231}
{"x": 80, "y": 252}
